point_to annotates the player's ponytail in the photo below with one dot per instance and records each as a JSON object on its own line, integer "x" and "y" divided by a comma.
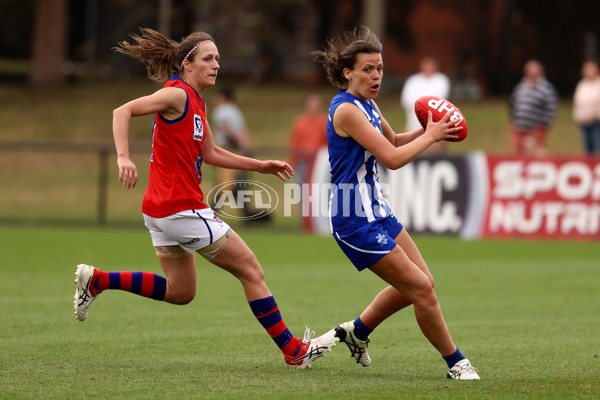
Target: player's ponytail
{"x": 341, "y": 52}
{"x": 330, "y": 59}
{"x": 162, "y": 56}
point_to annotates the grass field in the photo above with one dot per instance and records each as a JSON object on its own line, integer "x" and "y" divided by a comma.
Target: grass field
{"x": 527, "y": 314}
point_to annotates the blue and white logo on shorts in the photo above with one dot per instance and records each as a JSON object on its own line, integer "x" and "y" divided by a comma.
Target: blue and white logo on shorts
{"x": 382, "y": 240}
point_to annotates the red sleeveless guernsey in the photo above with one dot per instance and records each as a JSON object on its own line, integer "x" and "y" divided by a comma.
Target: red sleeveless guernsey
{"x": 175, "y": 175}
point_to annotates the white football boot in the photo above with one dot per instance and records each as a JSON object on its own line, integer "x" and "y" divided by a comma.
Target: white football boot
{"x": 358, "y": 348}
{"x": 311, "y": 348}
{"x": 463, "y": 370}
{"x": 84, "y": 294}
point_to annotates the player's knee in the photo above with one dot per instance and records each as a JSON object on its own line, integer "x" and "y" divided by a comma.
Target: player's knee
{"x": 251, "y": 270}
{"x": 254, "y": 272}
{"x": 423, "y": 267}
{"x": 183, "y": 300}
{"x": 187, "y": 298}
{"x": 424, "y": 294}
{"x": 182, "y": 296}
{"x": 428, "y": 296}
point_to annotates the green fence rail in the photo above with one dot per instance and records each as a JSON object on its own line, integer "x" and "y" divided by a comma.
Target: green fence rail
{"x": 77, "y": 182}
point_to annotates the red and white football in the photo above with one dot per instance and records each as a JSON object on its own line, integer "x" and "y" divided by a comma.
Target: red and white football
{"x": 439, "y": 107}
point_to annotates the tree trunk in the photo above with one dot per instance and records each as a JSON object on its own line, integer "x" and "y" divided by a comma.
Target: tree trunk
{"x": 49, "y": 43}
{"x": 373, "y": 16}
{"x": 164, "y": 17}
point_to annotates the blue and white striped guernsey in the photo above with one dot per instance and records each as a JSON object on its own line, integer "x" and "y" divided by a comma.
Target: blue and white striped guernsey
{"x": 533, "y": 105}
{"x": 356, "y": 197}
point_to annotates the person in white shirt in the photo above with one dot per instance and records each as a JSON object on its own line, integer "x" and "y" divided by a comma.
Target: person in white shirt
{"x": 229, "y": 123}
{"x": 586, "y": 107}
{"x": 230, "y": 132}
{"x": 429, "y": 81}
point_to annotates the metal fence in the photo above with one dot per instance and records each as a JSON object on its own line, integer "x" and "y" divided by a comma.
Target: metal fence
{"x": 77, "y": 182}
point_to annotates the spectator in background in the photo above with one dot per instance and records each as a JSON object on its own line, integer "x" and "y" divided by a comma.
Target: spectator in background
{"x": 231, "y": 133}
{"x": 429, "y": 81}
{"x": 586, "y": 107}
{"x": 230, "y": 130}
{"x": 308, "y": 136}
{"x": 533, "y": 104}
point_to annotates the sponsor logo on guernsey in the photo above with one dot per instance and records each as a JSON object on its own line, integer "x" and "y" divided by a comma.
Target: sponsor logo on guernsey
{"x": 198, "y": 128}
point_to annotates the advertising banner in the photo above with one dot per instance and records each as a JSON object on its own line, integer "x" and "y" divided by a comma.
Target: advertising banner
{"x": 431, "y": 194}
{"x": 479, "y": 195}
{"x": 551, "y": 197}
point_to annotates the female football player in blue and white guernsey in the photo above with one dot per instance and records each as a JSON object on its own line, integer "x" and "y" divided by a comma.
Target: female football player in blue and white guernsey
{"x": 361, "y": 221}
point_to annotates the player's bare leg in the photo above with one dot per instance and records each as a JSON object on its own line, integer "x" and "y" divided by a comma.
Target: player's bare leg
{"x": 180, "y": 270}
{"x": 399, "y": 271}
{"x": 415, "y": 285}
{"x": 390, "y": 300}
{"x": 237, "y": 259}
{"x": 240, "y": 261}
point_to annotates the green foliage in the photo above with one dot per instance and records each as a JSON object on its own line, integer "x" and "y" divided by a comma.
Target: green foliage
{"x": 525, "y": 312}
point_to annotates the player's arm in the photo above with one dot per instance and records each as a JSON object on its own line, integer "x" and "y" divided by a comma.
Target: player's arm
{"x": 170, "y": 102}
{"x": 220, "y": 157}
{"x": 398, "y": 139}
{"x": 404, "y": 138}
{"x": 349, "y": 121}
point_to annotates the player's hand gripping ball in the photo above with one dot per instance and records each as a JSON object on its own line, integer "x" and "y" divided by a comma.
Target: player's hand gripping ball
{"x": 439, "y": 107}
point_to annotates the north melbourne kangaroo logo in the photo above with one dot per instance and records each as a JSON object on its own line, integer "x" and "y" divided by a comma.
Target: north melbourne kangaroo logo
{"x": 382, "y": 240}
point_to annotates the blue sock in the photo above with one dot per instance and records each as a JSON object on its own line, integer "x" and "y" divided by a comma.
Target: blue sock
{"x": 267, "y": 313}
{"x": 361, "y": 331}
{"x": 142, "y": 283}
{"x": 453, "y": 358}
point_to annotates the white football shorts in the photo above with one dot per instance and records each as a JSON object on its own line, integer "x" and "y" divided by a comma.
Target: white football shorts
{"x": 190, "y": 229}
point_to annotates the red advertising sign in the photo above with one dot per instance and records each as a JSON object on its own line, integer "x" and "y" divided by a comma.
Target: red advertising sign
{"x": 549, "y": 197}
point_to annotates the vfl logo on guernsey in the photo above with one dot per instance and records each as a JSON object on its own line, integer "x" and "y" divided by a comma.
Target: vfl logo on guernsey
{"x": 198, "y": 128}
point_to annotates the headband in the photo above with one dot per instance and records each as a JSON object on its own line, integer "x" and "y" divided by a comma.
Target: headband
{"x": 192, "y": 50}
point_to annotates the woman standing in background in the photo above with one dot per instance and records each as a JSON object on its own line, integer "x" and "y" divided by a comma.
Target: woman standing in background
{"x": 586, "y": 107}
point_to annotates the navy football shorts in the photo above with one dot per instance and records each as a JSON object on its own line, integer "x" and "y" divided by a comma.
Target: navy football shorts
{"x": 368, "y": 244}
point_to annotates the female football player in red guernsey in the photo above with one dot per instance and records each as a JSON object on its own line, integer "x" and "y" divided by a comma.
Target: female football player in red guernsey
{"x": 179, "y": 221}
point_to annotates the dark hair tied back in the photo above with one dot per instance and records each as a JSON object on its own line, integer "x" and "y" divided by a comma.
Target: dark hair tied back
{"x": 342, "y": 51}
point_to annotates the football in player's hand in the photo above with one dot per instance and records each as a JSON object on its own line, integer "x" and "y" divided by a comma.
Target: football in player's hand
{"x": 439, "y": 107}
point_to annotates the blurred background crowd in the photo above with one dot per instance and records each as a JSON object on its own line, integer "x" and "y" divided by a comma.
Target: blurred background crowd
{"x": 512, "y": 66}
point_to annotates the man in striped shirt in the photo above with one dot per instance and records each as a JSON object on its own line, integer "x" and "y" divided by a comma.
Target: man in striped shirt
{"x": 533, "y": 104}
